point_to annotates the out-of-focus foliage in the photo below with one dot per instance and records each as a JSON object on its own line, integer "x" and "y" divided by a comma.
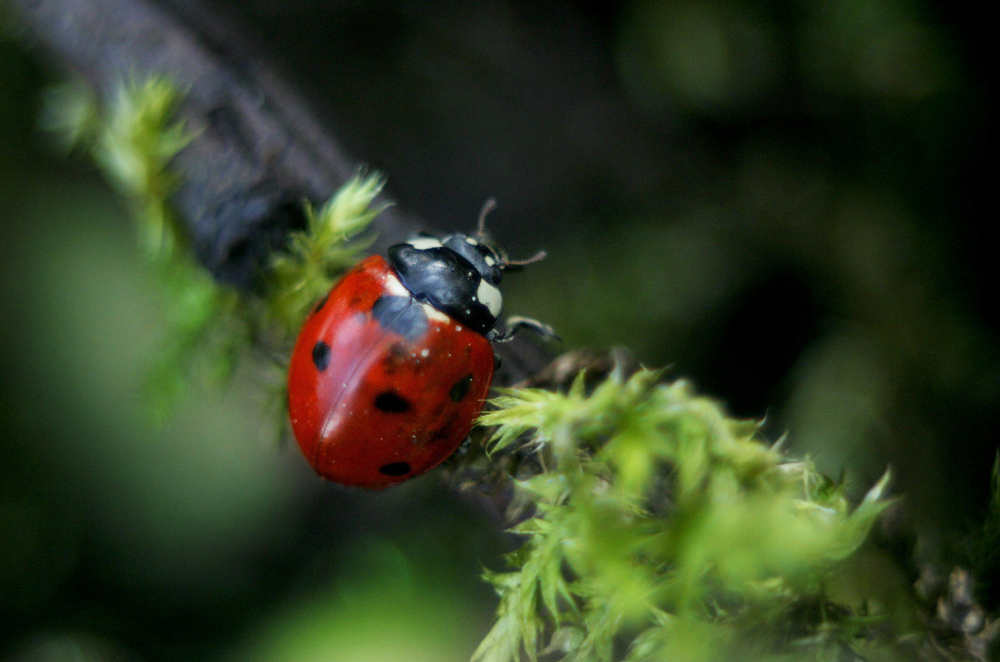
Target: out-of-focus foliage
{"x": 94, "y": 498}
{"x": 659, "y": 517}
{"x": 133, "y": 141}
{"x": 390, "y": 604}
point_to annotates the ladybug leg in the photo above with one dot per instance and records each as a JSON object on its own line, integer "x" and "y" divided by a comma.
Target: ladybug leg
{"x": 515, "y": 324}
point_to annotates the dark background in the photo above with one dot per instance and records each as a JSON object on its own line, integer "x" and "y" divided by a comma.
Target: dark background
{"x": 787, "y": 202}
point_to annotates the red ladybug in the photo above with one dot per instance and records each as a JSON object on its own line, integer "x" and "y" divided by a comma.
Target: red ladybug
{"x": 393, "y": 365}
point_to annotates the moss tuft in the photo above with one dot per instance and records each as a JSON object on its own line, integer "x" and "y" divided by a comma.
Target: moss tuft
{"x": 664, "y": 529}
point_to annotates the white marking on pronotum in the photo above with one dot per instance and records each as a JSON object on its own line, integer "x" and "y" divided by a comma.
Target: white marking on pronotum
{"x": 490, "y": 296}
{"x": 435, "y": 314}
{"x": 396, "y": 287}
{"x": 423, "y": 243}
{"x": 471, "y": 241}
{"x": 490, "y": 261}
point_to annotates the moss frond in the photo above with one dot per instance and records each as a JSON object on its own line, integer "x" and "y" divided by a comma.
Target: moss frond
{"x": 133, "y": 138}
{"x": 660, "y": 510}
{"x": 329, "y": 245}
{"x": 69, "y": 113}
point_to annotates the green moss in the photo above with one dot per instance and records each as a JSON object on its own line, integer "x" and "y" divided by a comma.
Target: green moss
{"x": 133, "y": 139}
{"x": 664, "y": 528}
{"x": 316, "y": 256}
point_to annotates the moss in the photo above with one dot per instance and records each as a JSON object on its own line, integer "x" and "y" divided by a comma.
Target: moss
{"x": 316, "y": 256}
{"x": 665, "y": 530}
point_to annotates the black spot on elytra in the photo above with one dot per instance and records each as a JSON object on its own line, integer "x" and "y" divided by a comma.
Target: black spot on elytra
{"x": 322, "y": 302}
{"x": 400, "y": 314}
{"x": 391, "y": 402}
{"x": 395, "y": 469}
{"x": 321, "y": 355}
{"x": 460, "y": 389}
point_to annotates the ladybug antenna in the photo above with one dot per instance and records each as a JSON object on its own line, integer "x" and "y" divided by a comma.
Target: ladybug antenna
{"x": 488, "y": 206}
{"x": 515, "y": 265}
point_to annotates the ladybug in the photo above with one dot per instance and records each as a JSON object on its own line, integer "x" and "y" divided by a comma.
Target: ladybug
{"x": 394, "y": 364}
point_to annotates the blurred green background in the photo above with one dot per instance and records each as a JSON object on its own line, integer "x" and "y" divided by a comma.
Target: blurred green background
{"x": 785, "y": 201}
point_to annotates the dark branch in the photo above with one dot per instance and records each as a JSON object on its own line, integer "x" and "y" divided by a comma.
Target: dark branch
{"x": 258, "y": 154}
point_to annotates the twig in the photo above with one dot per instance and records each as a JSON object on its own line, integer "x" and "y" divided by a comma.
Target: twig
{"x": 258, "y": 153}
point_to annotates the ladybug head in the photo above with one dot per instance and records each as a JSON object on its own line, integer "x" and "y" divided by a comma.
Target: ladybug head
{"x": 488, "y": 260}
{"x": 459, "y": 275}
{"x": 455, "y": 276}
